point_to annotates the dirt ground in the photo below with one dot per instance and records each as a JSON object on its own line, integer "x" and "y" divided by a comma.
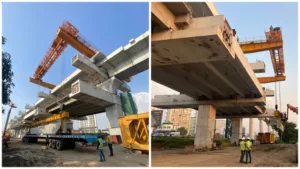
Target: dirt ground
{"x": 33, "y": 154}
{"x": 265, "y": 155}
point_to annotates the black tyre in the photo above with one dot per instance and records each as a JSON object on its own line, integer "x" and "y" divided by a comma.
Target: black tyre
{"x": 72, "y": 144}
{"x": 54, "y": 144}
{"x": 59, "y": 145}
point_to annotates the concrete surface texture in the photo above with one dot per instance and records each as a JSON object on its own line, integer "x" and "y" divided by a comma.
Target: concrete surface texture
{"x": 200, "y": 60}
{"x": 34, "y": 155}
{"x": 265, "y": 155}
{"x": 236, "y": 130}
{"x": 205, "y": 127}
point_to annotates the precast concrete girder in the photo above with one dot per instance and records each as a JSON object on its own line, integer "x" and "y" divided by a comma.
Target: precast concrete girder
{"x": 129, "y": 60}
{"x": 42, "y": 94}
{"x": 202, "y": 9}
{"x": 163, "y": 16}
{"x": 184, "y": 101}
{"x": 209, "y": 36}
{"x": 268, "y": 113}
{"x": 258, "y": 67}
{"x": 91, "y": 94}
{"x": 85, "y": 64}
{"x": 176, "y": 53}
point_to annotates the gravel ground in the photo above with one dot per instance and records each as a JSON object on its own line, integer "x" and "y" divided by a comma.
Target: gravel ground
{"x": 34, "y": 154}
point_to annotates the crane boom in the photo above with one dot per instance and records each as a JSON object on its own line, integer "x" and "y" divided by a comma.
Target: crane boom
{"x": 66, "y": 34}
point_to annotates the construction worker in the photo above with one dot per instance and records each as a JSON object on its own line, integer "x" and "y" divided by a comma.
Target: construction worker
{"x": 248, "y": 150}
{"x": 109, "y": 142}
{"x": 100, "y": 149}
{"x": 243, "y": 148}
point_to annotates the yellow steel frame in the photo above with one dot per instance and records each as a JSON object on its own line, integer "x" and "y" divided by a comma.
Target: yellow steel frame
{"x": 134, "y": 131}
{"x": 253, "y": 47}
{"x": 271, "y": 79}
{"x": 62, "y": 115}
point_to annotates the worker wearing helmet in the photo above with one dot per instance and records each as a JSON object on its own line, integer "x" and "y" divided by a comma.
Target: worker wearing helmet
{"x": 248, "y": 149}
{"x": 100, "y": 148}
{"x": 243, "y": 148}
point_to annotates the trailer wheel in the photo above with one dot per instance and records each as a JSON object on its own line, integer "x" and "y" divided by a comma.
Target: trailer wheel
{"x": 54, "y": 144}
{"x": 59, "y": 145}
{"x": 72, "y": 144}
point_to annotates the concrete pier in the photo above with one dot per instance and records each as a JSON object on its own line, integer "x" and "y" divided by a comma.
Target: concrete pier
{"x": 261, "y": 128}
{"x": 251, "y": 128}
{"x": 205, "y": 126}
{"x": 236, "y": 130}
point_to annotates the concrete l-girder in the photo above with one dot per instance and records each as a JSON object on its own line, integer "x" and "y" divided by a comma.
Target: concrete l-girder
{"x": 123, "y": 63}
{"x": 200, "y": 49}
{"x": 224, "y": 107}
{"x": 268, "y": 113}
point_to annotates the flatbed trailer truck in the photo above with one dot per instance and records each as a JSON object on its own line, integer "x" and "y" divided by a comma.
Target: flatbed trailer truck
{"x": 58, "y": 129}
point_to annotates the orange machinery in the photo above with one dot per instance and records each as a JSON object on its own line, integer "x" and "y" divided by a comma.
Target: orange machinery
{"x": 66, "y": 34}
{"x": 274, "y": 44}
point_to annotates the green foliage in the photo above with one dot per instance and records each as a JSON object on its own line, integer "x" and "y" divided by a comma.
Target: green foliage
{"x": 221, "y": 140}
{"x": 182, "y": 131}
{"x": 7, "y": 75}
{"x": 290, "y": 134}
{"x": 173, "y": 142}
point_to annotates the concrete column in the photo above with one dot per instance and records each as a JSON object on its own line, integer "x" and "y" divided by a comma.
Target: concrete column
{"x": 115, "y": 111}
{"x": 236, "y": 130}
{"x": 269, "y": 128}
{"x": 205, "y": 126}
{"x": 261, "y": 128}
{"x": 251, "y": 128}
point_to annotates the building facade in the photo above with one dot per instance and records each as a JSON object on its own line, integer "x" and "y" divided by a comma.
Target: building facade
{"x": 180, "y": 118}
{"x": 220, "y": 127}
{"x": 192, "y": 129}
{"x": 89, "y": 125}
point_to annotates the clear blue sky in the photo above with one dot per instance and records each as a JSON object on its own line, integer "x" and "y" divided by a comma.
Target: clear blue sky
{"x": 31, "y": 27}
{"x": 251, "y": 20}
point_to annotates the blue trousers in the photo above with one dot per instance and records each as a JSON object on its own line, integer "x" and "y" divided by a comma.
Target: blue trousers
{"x": 110, "y": 149}
{"x": 101, "y": 154}
{"x": 248, "y": 153}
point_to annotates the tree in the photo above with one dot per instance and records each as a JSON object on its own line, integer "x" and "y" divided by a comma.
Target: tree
{"x": 290, "y": 133}
{"x": 182, "y": 131}
{"x": 7, "y": 75}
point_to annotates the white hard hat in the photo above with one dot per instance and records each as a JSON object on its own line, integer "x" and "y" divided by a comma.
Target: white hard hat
{"x": 243, "y": 138}
{"x": 248, "y": 138}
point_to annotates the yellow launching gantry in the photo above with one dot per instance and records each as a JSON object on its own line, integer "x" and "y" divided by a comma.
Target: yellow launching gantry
{"x": 134, "y": 130}
{"x": 274, "y": 44}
